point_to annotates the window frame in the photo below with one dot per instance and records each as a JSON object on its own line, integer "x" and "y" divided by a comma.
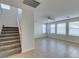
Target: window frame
{"x": 5, "y": 6}
{"x": 65, "y": 33}
{"x": 44, "y": 29}
{"x": 53, "y": 32}
{"x": 69, "y": 29}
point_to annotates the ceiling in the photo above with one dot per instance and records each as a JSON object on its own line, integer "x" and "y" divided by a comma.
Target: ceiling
{"x": 59, "y": 9}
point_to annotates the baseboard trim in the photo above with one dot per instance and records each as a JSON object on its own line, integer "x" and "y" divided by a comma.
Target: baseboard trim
{"x": 65, "y": 40}
{"x": 28, "y": 50}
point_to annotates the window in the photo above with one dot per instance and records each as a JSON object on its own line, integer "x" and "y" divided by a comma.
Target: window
{"x": 52, "y": 28}
{"x": 19, "y": 11}
{"x": 61, "y": 28}
{"x": 74, "y": 28}
{"x": 4, "y": 6}
{"x": 44, "y": 28}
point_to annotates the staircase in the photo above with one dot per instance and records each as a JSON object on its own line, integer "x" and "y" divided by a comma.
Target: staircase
{"x": 9, "y": 41}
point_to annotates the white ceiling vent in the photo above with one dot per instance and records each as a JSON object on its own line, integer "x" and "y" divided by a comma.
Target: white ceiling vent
{"x": 31, "y": 3}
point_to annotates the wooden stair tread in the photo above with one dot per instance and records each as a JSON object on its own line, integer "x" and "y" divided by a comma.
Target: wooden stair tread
{"x": 10, "y": 52}
{"x": 9, "y": 37}
{"x": 9, "y": 42}
{"x": 10, "y": 34}
{"x": 9, "y": 47}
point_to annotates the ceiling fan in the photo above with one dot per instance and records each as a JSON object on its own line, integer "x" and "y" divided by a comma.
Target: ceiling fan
{"x": 50, "y": 18}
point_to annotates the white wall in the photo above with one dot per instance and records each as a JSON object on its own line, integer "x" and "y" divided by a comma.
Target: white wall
{"x": 0, "y": 22}
{"x": 9, "y": 17}
{"x": 27, "y": 24}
